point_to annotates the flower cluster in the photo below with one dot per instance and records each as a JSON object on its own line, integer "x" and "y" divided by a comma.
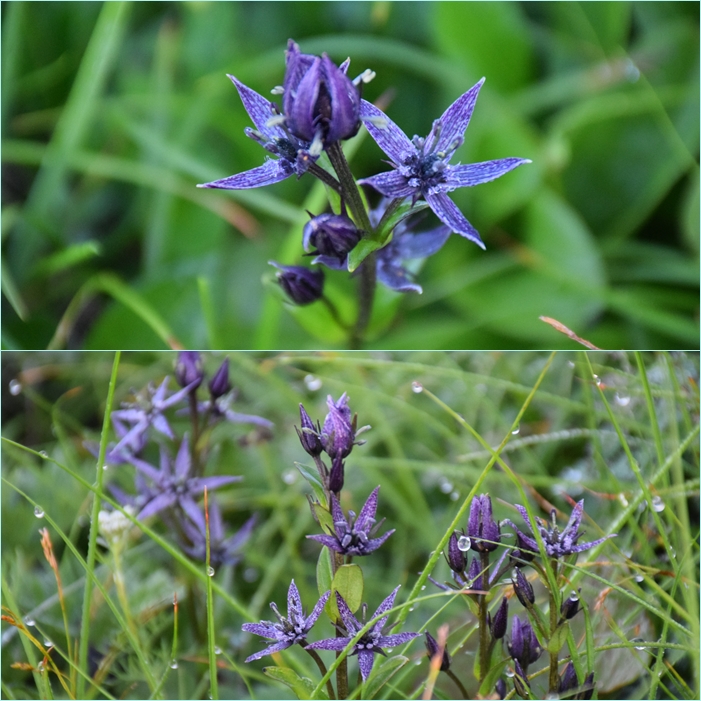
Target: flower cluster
{"x": 174, "y": 488}
{"x": 320, "y": 107}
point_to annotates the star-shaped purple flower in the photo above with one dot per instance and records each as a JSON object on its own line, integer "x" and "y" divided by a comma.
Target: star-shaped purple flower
{"x": 286, "y": 631}
{"x": 352, "y": 536}
{"x": 172, "y": 484}
{"x": 557, "y": 543}
{"x": 372, "y": 642}
{"x": 293, "y": 156}
{"x": 422, "y": 166}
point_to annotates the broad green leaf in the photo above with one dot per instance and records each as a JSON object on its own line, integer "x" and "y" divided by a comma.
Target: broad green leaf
{"x": 381, "y": 674}
{"x": 324, "y": 571}
{"x": 311, "y": 475}
{"x": 322, "y": 515}
{"x": 303, "y": 687}
{"x": 348, "y": 582}
{"x": 559, "y": 637}
{"x": 364, "y": 248}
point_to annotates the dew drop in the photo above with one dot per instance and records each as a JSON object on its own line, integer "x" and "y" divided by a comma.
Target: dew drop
{"x": 621, "y": 399}
{"x": 657, "y": 504}
{"x": 173, "y": 664}
{"x": 105, "y": 467}
{"x": 510, "y": 672}
{"x": 446, "y": 487}
{"x": 570, "y": 363}
{"x": 210, "y": 571}
{"x": 574, "y": 597}
{"x": 41, "y": 666}
{"x": 639, "y": 578}
{"x": 638, "y": 640}
{"x": 217, "y": 650}
{"x": 418, "y": 662}
{"x": 29, "y": 621}
{"x": 516, "y": 431}
{"x": 623, "y": 500}
{"x": 250, "y": 574}
{"x": 289, "y": 477}
{"x": 464, "y": 543}
{"x": 597, "y": 380}
{"x": 454, "y": 496}
{"x": 411, "y": 608}
{"x": 15, "y": 387}
{"x": 48, "y": 644}
{"x": 43, "y": 454}
{"x": 38, "y": 512}
{"x": 417, "y": 387}
{"x": 312, "y": 382}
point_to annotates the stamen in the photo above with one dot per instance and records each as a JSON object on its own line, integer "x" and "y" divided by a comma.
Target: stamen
{"x": 276, "y": 120}
{"x": 278, "y": 90}
{"x": 365, "y": 77}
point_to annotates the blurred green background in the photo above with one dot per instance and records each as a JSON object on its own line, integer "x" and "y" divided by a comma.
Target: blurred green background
{"x": 111, "y": 113}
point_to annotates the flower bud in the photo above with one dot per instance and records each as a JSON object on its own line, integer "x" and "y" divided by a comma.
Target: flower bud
{"x": 320, "y": 102}
{"x": 500, "y": 620}
{"x": 219, "y": 384}
{"x": 521, "y": 554}
{"x": 474, "y": 574}
{"x": 456, "y": 557}
{"x": 522, "y": 587}
{"x": 521, "y": 683}
{"x": 336, "y": 475}
{"x": 188, "y": 369}
{"x": 309, "y": 435}
{"x": 338, "y": 433}
{"x": 302, "y": 285}
{"x": 481, "y": 526}
{"x": 569, "y": 680}
{"x": 500, "y": 688}
{"x": 570, "y": 606}
{"x": 587, "y": 688}
{"x": 432, "y": 650}
{"x": 333, "y": 235}
{"x": 524, "y": 646}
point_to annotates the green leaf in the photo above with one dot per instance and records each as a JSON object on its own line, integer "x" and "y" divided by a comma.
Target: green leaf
{"x": 311, "y": 475}
{"x": 323, "y": 516}
{"x": 559, "y": 637}
{"x": 381, "y": 674}
{"x": 303, "y": 687}
{"x": 324, "y": 571}
{"x": 348, "y": 582}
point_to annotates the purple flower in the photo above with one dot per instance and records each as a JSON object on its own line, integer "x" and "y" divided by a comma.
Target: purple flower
{"x": 219, "y": 385}
{"x": 309, "y": 433}
{"x": 557, "y": 543}
{"x": 497, "y": 625}
{"x": 524, "y": 646}
{"x": 352, "y": 536}
{"x": 432, "y": 650}
{"x": 219, "y": 408}
{"x": 568, "y": 687}
{"x": 286, "y": 631}
{"x": 293, "y": 156}
{"x": 302, "y": 285}
{"x": 189, "y": 370}
{"x": 321, "y": 103}
{"x": 421, "y": 166}
{"x": 222, "y": 551}
{"x": 333, "y": 235}
{"x": 483, "y": 531}
{"x": 371, "y": 642}
{"x": 146, "y": 411}
{"x": 172, "y": 484}
{"x": 570, "y": 606}
{"x": 522, "y": 587}
{"x": 339, "y": 430}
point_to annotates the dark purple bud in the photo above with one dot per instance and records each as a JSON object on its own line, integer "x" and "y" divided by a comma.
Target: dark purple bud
{"x": 570, "y": 606}
{"x": 456, "y": 557}
{"x": 188, "y": 369}
{"x": 336, "y": 475}
{"x": 521, "y": 683}
{"x": 500, "y": 620}
{"x": 483, "y": 530}
{"x": 524, "y": 645}
{"x": 219, "y": 384}
{"x": 338, "y": 434}
{"x": 302, "y": 285}
{"x": 522, "y": 587}
{"x": 569, "y": 680}
{"x": 320, "y": 102}
{"x": 500, "y": 688}
{"x": 474, "y": 574}
{"x": 309, "y": 435}
{"x": 587, "y": 688}
{"x": 332, "y": 235}
{"x": 432, "y": 650}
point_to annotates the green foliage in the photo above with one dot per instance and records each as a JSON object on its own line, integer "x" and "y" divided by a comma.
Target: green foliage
{"x": 111, "y": 114}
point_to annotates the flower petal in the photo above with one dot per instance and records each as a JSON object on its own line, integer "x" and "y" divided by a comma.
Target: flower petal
{"x": 366, "y": 659}
{"x": 264, "y": 629}
{"x": 453, "y": 122}
{"x": 182, "y": 460}
{"x": 366, "y": 517}
{"x": 237, "y": 418}
{"x": 389, "y": 137}
{"x": 421, "y": 245}
{"x": 162, "y": 501}
{"x": 444, "y": 208}
{"x": 390, "y": 184}
{"x": 259, "y": 109}
{"x": 294, "y": 604}
{"x": 329, "y": 541}
{"x": 272, "y": 171}
{"x": 477, "y": 173}
{"x": 269, "y": 650}
{"x": 329, "y": 644}
{"x": 349, "y": 620}
{"x": 396, "y": 639}
{"x": 197, "y": 484}
{"x": 193, "y": 511}
{"x": 316, "y": 611}
{"x": 395, "y": 277}
{"x": 375, "y": 543}
{"x": 386, "y": 605}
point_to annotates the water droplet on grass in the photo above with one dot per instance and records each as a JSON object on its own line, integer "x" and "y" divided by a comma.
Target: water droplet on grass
{"x": 621, "y": 399}
{"x": 15, "y": 387}
{"x": 638, "y": 640}
{"x": 623, "y": 500}
{"x": 289, "y": 477}
{"x": 516, "y": 431}
{"x": 639, "y": 578}
{"x": 510, "y": 672}
{"x": 29, "y": 621}
{"x": 657, "y": 504}
{"x": 597, "y": 380}
{"x": 454, "y": 496}
{"x": 446, "y": 487}
{"x": 174, "y": 664}
{"x": 38, "y": 512}
{"x": 210, "y": 571}
{"x": 43, "y": 454}
{"x": 417, "y": 387}
{"x": 312, "y": 382}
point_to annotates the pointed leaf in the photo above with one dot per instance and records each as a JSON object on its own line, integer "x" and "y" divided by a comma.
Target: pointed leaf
{"x": 311, "y": 475}
{"x": 303, "y": 687}
{"x": 558, "y": 638}
{"x": 324, "y": 572}
{"x": 381, "y": 674}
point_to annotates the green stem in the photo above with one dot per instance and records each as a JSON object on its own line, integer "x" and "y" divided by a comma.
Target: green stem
{"x": 334, "y": 313}
{"x": 484, "y": 632}
{"x": 342, "y": 673}
{"x": 92, "y": 537}
{"x": 325, "y": 177}
{"x": 554, "y": 677}
{"x": 349, "y": 188}
{"x": 366, "y": 295}
{"x": 459, "y": 684}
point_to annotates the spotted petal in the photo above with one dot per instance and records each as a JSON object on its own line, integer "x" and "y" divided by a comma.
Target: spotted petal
{"x": 277, "y": 647}
{"x": 272, "y": 171}
{"x": 259, "y": 109}
{"x": 389, "y": 137}
{"x": 294, "y": 603}
{"x": 366, "y": 517}
{"x": 453, "y": 122}
{"x": 366, "y": 659}
{"x": 390, "y": 184}
{"x": 444, "y": 208}
{"x": 477, "y": 173}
